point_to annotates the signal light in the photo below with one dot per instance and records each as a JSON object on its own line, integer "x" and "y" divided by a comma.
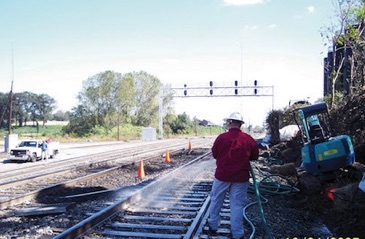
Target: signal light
{"x": 185, "y": 93}
{"x": 235, "y": 91}
{"x": 211, "y": 92}
{"x": 235, "y": 83}
{"x": 255, "y": 84}
{"x": 211, "y": 83}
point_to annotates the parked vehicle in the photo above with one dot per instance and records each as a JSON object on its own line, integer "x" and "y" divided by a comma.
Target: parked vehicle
{"x": 31, "y": 150}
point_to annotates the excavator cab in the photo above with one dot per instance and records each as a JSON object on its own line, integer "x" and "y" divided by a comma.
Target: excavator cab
{"x": 322, "y": 151}
{"x": 315, "y": 130}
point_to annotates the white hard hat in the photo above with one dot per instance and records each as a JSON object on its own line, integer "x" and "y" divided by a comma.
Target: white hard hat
{"x": 236, "y": 117}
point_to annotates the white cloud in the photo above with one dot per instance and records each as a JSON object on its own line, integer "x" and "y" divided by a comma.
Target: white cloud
{"x": 310, "y": 9}
{"x": 243, "y": 2}
{"x": 250, "y": 27}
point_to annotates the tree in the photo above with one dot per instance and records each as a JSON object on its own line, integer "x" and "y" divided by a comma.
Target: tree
{"x": 168, "y": 123}
{"x": 346, "y": 60}
{"x": 111, "y": 98}
{"x": 45, "y": 105}
{"x": 81, "y": 121}
{"x": 273, "y": 125}
{"x": 4, "y": 108}
{"x": 182, "y": 124}
{"x": 147, "y": 88}
{"x": 18, "y": 110}
{"x": 99, "y": 96}
{"x": 61, "y": 115}
{"x": 28, "y": 104}
{"x": 125, "y": 98}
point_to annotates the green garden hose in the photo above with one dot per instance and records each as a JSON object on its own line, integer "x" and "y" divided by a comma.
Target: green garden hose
{"x": 267, "y": 186}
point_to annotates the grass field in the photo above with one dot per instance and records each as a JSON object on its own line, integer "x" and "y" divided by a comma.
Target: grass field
{"x": 53, "y": 129}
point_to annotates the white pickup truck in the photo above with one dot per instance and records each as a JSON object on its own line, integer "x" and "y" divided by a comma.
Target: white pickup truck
{"x": 31, "y": 150}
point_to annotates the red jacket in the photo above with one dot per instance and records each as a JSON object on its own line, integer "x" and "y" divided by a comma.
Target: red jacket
{"x": 233, "y": 150}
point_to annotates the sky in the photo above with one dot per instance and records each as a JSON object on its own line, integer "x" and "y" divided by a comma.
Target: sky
{"x": 52, "y": 47}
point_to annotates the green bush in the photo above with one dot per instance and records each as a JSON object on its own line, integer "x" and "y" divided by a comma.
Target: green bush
{"x": 126, "y": 132}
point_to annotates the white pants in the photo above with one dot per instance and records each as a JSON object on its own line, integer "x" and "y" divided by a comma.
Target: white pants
{"x": 238, "y": 200}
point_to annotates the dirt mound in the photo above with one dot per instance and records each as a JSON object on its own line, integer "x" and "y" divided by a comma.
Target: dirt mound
{"x": 349, "y": 118}
{"x": 337, "y": 202}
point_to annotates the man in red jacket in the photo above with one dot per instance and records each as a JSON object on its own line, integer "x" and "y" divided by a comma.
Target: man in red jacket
{"x": 233, "y": 151}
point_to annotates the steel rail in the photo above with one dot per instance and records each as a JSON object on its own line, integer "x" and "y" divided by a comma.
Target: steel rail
{"x": 106, "y": 214}
{"x": 16, "y": 198}
{"x": 135, "y": 150}
{"x": 68, "y": 165}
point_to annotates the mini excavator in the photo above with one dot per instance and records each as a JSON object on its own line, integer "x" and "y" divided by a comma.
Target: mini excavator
{"x": 322, "y": 151}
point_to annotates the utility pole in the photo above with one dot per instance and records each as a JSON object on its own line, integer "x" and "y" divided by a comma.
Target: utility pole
{"x": 11, "y": 140}
{"x": 10, "y": 107}
{"x": 118, "y": 123}
{"x": 11, "y": 91}
{"x": 160, "y": 114}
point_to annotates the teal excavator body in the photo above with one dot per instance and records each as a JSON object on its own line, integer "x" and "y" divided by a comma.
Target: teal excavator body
{"x": 322, "y": 151}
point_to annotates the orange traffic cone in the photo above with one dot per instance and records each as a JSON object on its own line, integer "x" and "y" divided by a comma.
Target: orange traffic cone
{"x": 190, "y": 147}
{"x": 167, "y": 157}
{"x": 141, "y": 170}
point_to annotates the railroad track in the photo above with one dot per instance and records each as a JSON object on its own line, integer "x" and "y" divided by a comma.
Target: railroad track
{"x": 30, "y": 185}
{"x": 167, "y": 205}
{"x": 185, "y": 190}
{"x": 174, "y": 206}
{"x": 105, "y": 153}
